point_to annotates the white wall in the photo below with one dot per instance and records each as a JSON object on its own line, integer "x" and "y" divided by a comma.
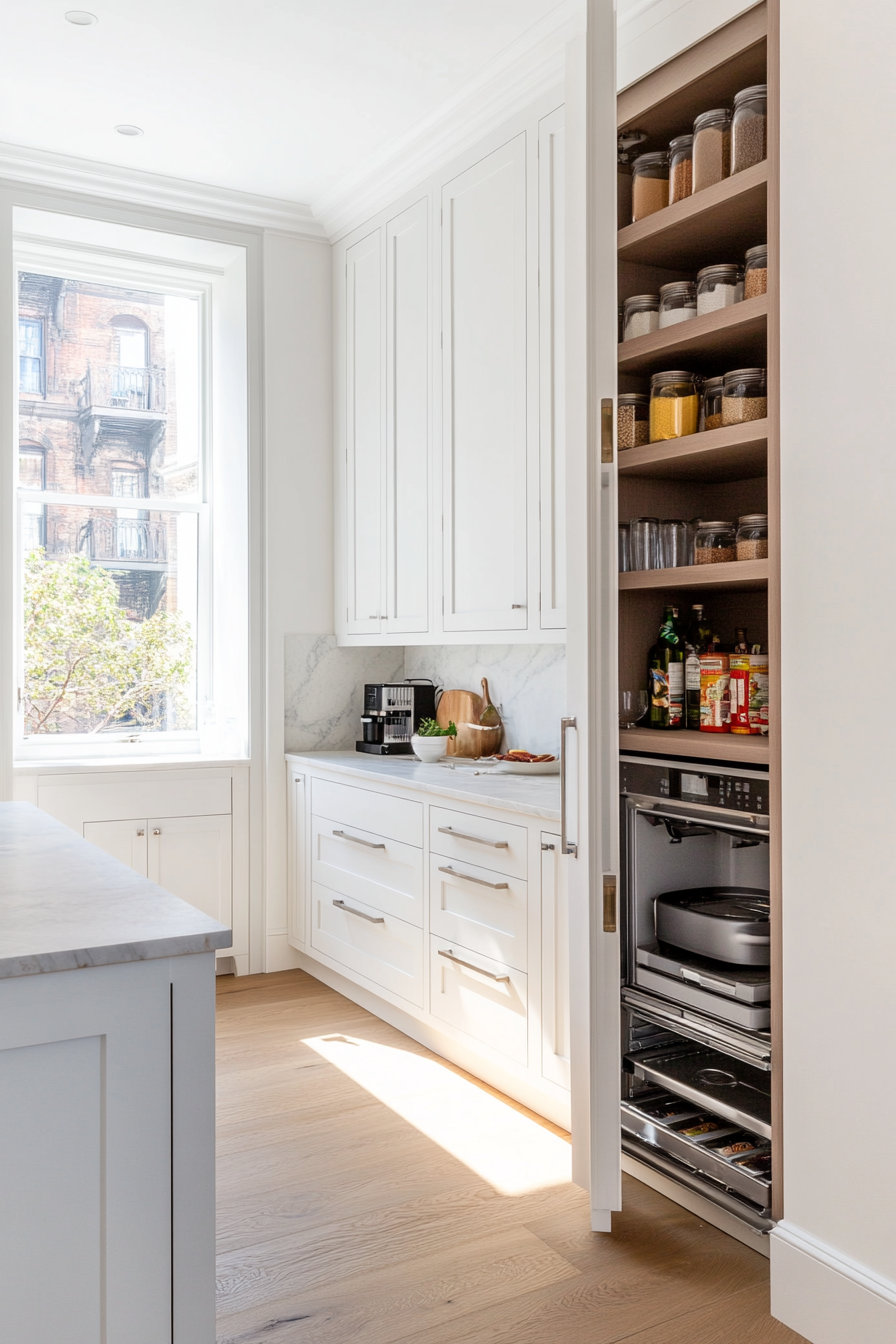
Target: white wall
{"x": 298, "y": 527}
{"x": 834, "y": 1258}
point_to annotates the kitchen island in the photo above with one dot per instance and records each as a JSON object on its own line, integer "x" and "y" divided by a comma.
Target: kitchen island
{"x": 106, "y": 1096}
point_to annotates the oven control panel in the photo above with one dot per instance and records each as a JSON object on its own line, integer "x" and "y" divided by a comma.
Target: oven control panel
{"x": 691, "y": 784}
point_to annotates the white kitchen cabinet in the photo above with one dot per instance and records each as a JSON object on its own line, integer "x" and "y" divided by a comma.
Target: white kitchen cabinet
{"x": 408, "y": 409}
{"x": 124, "y": 840}
{"x": 552, "y": 365}
{"x": 484, "y": 396}
{"x": 364, "y": 428}
{"x": 554, "y": 963}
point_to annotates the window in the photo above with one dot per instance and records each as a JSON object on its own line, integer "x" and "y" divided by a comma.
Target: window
{"x": 31, "y": 355}
{"x": 32, "y": 476}
{"x": 132, "y": 347}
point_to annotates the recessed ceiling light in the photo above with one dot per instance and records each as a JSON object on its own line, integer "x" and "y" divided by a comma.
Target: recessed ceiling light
{"x": 128, "y": 130}
{"x": 81, "y": 17}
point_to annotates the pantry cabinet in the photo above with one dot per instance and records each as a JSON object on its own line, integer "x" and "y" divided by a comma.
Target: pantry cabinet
{"x": 552, "y": 370}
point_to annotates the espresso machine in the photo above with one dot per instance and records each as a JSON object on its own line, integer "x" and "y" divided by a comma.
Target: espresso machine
{"x": 392, "y": 714}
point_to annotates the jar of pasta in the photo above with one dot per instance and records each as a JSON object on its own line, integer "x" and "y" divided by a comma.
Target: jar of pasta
{"x": 756, "y": 271}
{"x": 748, "y": 128}
{"x": 632, "y": 419}
{"x": 744, "y": 396}
{"x": 674, "y": 405}
{"x": 650, "y": 184}
{"x": 678, "y": 302}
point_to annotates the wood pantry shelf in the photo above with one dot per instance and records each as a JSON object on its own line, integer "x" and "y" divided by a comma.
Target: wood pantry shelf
{"x": 735, "y": 453}
{"x": 740, "y": 748}
{"x": 705, "y": 344}
{"x": 714, "y": 225}
{"x": 745, "y": 576}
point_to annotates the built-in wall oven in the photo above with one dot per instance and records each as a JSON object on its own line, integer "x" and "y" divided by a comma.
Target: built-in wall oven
{"x": 696, "y": 984}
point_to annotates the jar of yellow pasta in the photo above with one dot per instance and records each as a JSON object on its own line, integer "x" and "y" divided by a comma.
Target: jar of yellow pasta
{"x": 674, "y": 405}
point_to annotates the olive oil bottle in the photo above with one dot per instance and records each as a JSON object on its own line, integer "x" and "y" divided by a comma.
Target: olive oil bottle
{"x": 665, "y": 674}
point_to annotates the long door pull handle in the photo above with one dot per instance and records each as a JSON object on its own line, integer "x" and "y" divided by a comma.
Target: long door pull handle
{"x": 356, "y": 840}
{"x": 479, "y": 839}
{"x": 499, "y": 979}
{"x": 480, "y": 881}
{"x": 371, "y": 919}
{"x": 566, "y": 846}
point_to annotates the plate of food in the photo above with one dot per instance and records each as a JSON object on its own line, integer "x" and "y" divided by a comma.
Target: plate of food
{"x": 524, "y": 763}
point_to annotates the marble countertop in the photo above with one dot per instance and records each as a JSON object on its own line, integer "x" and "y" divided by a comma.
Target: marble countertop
{"x": 65, "y": 904}
{"x": 533, "y": 795}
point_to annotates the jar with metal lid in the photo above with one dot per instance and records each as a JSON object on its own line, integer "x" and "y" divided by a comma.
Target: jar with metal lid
{"x": 711, "y": 408}
{"x": 715, "y": 543}
{"x": 748, "y": 128}
{"x": 678, "y": 302}
{"x": 744, "y": 396}
{"x": 632, "y": 419}
{"x": 752, "y": 537}
{"x": 717, "y": 287}
{"x": 681, "y": 167}
{"x": 756, "y": 271}
{"x": 640, "y": 315}
{"x": 712, "y": 147}
{"x": 650, "y": 184}
{"x": 674, "y": 405}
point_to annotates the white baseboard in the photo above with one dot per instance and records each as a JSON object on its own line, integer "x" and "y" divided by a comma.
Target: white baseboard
{"x": 280, "y": 955}
{"x": 825, "y": 1296}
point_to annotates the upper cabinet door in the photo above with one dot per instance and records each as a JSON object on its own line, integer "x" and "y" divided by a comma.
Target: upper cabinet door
{"x": 364, "y": 435}
{"x": 408, "y": 344}
{"x": 552, "y": 390}
{"x": 484, "y": 321}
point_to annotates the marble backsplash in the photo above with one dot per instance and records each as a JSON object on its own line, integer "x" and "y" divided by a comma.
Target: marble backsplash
{"x": 324, "y": 686}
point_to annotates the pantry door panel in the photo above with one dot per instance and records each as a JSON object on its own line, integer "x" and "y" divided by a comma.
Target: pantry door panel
{"x": 484, "y": 328}
{"x": 407, "y": 421}
{"x": 364, "y": 436}
{"x": 552, "y": 387}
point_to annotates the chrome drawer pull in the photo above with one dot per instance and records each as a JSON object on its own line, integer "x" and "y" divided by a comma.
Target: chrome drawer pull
{"x": 480, "y": 881}
{"x": 500, "y": 979}
{"x": 371, "y": 919}
{"x": 479, "y": 840}
{"x": 356, "y": 840}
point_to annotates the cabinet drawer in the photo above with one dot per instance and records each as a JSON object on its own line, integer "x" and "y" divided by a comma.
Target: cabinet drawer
{"x": 368, "y": 867}
{"x": 484, "y": 910}
{"x": 491, "y": 844}
{"x": 483, "y": 997}
{"x": 380, "y": 947}
{"x": 398, "y": 818}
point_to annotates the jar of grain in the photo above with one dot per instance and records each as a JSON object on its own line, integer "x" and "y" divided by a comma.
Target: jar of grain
{"x": 717, "y": 287}
{"x": 640, "y": 315}
{"x": 748, "y": 128}
{"x": 678, "y": 302}
{"x": 711, "y": 406}
{"x": 756, "y": 271}
{"x": 674, "y": 405}
{"x": 632, "y": 419}
{"x": 752, "y": 536}
{"x": 715, "y": 543}
{"x": 744, "y": 396}
{"x": 650, "y": 184}
{"x": 681, "y": 167}
{"x": 712, "y": 147}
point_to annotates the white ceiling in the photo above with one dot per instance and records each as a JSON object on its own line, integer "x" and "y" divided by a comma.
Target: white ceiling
{"x": 278, "y": 97}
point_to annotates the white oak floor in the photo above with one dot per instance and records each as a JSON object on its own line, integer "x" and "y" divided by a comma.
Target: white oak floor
{"x": 370, "y": 1193}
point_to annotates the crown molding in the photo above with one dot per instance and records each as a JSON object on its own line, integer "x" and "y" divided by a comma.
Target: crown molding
{"x": 42, "y": 168}
{"x": 530, "y": 67}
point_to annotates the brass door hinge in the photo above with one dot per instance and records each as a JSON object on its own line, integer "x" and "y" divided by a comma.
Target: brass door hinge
{"x": 609, "y": 902}
{"x": 606, "y": 429}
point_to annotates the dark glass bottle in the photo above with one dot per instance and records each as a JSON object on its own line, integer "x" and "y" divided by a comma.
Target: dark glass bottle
{"x": 695, "y": 643}
{"x": 665, "y": 674}
{"x": 740, "y": 640}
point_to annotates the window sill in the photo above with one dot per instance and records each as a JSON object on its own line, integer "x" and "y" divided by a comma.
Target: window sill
{"x": 100, "y": 764}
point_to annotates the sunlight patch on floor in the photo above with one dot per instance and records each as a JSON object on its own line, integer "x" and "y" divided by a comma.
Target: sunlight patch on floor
{"x": 508, "y": 1150}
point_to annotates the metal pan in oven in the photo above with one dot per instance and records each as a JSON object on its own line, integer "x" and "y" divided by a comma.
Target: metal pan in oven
{"x": 729, "y": 924}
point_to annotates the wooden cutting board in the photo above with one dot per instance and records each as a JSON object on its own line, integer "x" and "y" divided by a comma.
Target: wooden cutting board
{"x": 458, "y": 707}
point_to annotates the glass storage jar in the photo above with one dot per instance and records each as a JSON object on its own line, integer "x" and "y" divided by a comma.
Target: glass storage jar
{"x": 711, "y": 408}
{"x": 674, "y": 405}
{"x": 752, "y": 537}
{"x": 681, "y": 167}
{"x": 678, "y": 302}
{"x": 644, "y": 543}
{"x": 712, "y": 147}
{"x": 756, "y": 271}
{"x": 715, "y": 543}
{"x": 632, "y": 419}
{"x": 748, "y": 128}
{"x": 744, "y": 396}
{"x": 674, "y": 544}
{"x": 640, "y": 315}
{"x": 717, "y": 287}
{"x": 650, "y": 184}
{"x": 625, "y": 563}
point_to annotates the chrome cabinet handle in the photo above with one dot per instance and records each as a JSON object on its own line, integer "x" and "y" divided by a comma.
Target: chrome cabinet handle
{"x": 479, "y": 839}
{"x": 141, "y": 832}
{"x": 356, "y": 840}
{"x": 480, "y": 881}
{"x": 499, "y": 979}
{"x": 157, "y": 830}
{"x": 371, "y": 919}
{"x": 566, "y": 847}
{"x": 517, "y": 606}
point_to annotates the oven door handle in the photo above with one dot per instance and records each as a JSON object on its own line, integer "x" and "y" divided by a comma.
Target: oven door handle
{"x": 753, "y": 939}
